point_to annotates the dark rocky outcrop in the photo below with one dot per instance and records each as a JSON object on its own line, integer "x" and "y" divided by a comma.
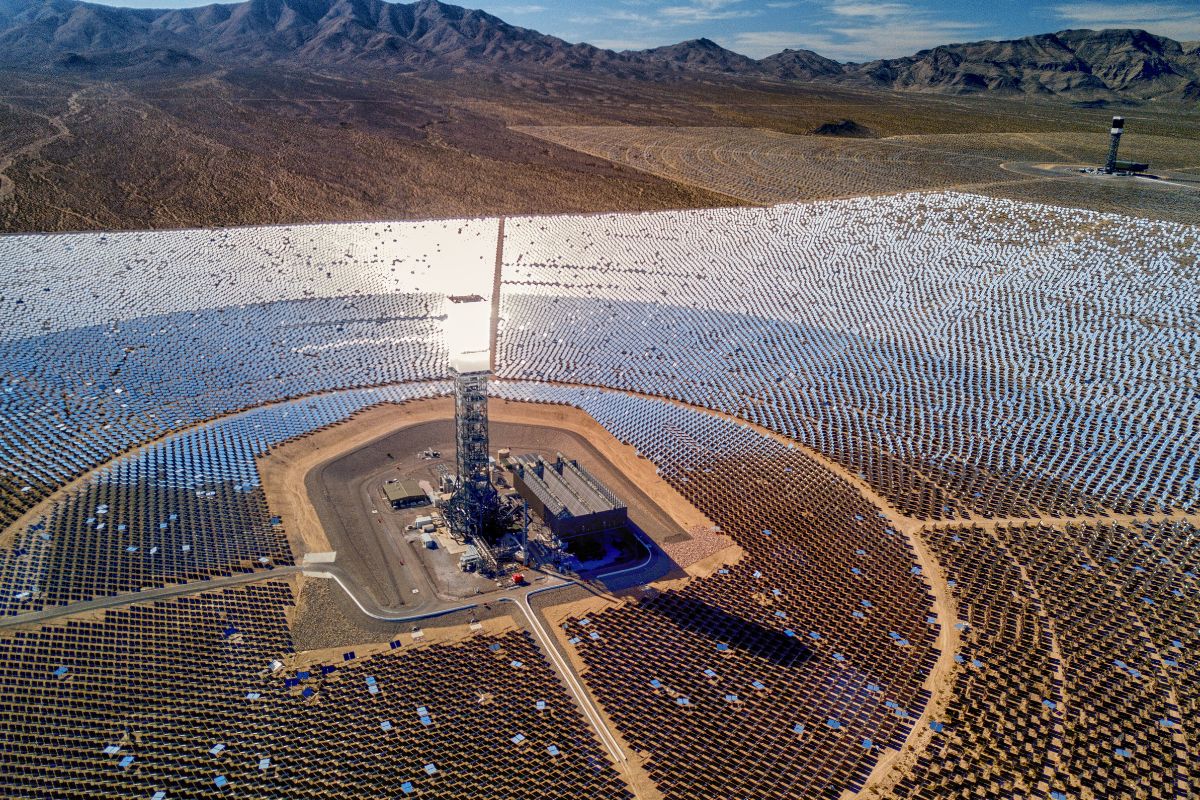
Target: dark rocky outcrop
{"x": 846, "y": 128}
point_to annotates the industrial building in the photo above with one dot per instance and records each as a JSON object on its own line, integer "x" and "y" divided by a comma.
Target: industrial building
{"x": 567, "y": 497}
{"x": 404, "y": 494}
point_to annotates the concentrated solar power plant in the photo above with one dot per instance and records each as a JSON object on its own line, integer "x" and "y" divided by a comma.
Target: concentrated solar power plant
{"x": 947, "y": 444}
{"x": 920, "y": 340}
{"x": 766, "y": 167}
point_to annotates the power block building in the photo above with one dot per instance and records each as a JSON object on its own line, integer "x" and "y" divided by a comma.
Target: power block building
{"x": 566, "y": 496}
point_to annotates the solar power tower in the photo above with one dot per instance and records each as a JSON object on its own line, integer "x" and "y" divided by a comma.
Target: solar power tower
{"x": 471, "y": 426}
{"x": 1114, "y": 142}
{"x": 475, "y": 505}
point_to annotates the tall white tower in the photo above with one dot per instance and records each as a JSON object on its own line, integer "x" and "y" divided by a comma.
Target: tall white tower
{"x": 468, "y": 340}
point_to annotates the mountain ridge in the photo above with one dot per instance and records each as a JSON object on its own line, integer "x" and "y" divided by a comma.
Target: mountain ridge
{"x": 1126, "y": 64}
{"x": 1082, "y": 64}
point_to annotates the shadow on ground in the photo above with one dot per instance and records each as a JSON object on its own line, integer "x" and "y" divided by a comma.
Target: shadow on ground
{"x": 723, "y": 628}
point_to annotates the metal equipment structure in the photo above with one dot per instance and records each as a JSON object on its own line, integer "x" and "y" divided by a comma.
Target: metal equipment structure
{"x": 475, "y": 510}
{"x": 471, "y": 429}
{"x": 470, "y": 366}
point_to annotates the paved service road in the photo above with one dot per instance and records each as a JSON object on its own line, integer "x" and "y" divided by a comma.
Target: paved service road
{"x": 570, "y": 679}
{"x": 146, "y": 596}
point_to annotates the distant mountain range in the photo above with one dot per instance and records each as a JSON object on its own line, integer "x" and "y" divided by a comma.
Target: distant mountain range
{"x": 1078, "y": 63}
{"x": 70, "y": 35}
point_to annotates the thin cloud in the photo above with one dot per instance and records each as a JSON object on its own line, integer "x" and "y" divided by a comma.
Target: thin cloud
{"x": 518, "y": 10}
{"x": 858, "y": 43}
{"x": 665, "y": 18}
{"x": 616, "y": 15}
{"x": 1166, "y": 19}
{"x": 707, "y": 11}
{"x": 760, "y": 44}
{"x": 860, "y": 30}
{"x": 687, "y": 15}
{"x": 895, "y": 40}
{"x": 873, "y": 10}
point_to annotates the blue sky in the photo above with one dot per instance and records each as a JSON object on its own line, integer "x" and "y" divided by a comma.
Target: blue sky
{"x": 847, "y": 30}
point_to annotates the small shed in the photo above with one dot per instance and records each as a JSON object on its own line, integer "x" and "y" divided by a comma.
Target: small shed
{"x": 404, "y": 494}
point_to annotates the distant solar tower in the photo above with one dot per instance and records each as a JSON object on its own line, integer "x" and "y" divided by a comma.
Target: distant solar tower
{"x": 1118, "y": 127}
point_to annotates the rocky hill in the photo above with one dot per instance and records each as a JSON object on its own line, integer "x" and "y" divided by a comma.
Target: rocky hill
{"x": 1081, "y": 64}
{"x": 702, "y": 55}
{"x": 66, "y": 34}
{"x": 800, "y": 65}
